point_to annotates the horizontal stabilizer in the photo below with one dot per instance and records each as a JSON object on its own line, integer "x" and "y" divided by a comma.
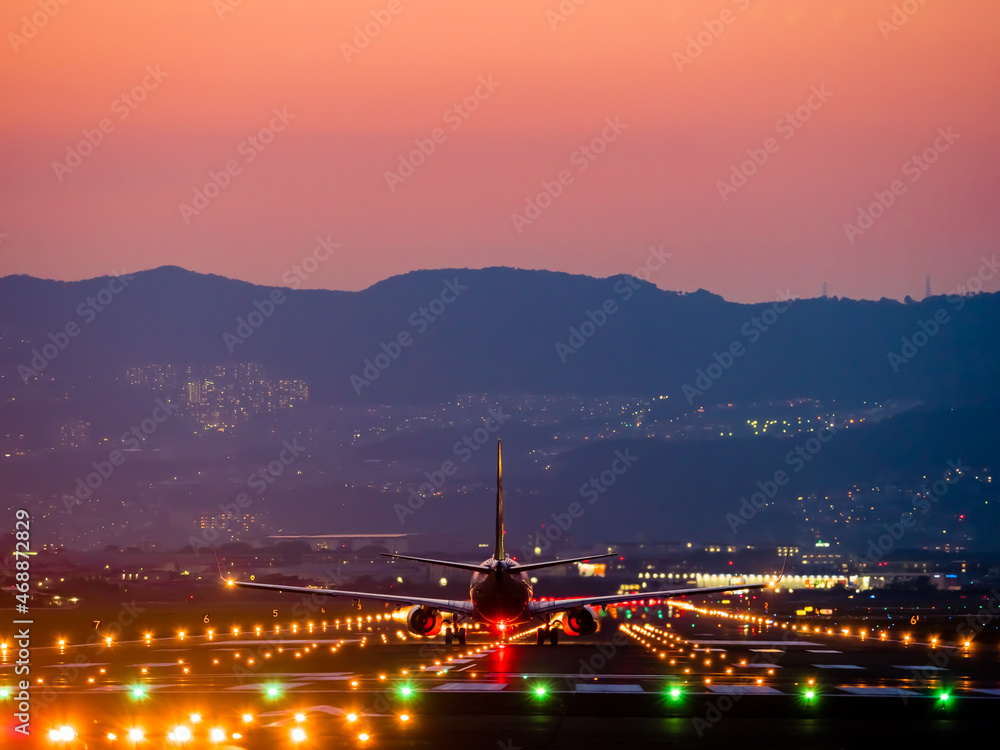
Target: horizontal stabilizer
{"x": 553, "y": 563}
{"x": 444, "y": 563}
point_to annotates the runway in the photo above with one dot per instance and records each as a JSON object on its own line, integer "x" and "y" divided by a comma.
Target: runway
{"x": 688, "y": 680}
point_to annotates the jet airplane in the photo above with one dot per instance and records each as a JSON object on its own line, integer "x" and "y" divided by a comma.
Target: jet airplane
{"x": 500, "y": 594}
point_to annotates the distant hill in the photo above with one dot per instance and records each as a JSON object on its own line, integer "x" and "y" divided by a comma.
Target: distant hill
{"x": 497, "y": 330}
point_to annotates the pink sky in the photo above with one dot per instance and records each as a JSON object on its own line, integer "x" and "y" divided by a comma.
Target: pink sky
{"x": 657, "y": 183}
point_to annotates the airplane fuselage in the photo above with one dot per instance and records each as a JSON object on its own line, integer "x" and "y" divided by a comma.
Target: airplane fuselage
{"x": 502, "y": 595}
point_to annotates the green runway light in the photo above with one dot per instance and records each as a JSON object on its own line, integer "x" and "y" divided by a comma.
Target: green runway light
{"x": 4, "y": 693}
{"x": 272, "y": 691}
{"x": 406, "y": 691}
{"x": 810, "y": 695}
{"x": 675, "y": 694}
{"x": 540, "y": 692}
{"x": 944, "y": 697}
{"x": 138, "y": 693}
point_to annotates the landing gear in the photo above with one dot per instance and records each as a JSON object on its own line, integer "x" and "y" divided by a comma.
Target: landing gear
{"x": 455, "y": 635}
{"x": 548, "y": 634}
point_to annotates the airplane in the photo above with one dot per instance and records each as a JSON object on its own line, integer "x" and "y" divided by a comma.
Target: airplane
{"x": 500, "y": 595}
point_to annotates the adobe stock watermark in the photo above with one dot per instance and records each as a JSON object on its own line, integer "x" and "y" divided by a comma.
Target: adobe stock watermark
{"x": 594, "y": 320}
{"x": 463, "y": 450}
{"x": 365, "y": 33}
{"x": 561, "y": 13}
{"x": 713, "y": 29}
{"x": 940, "y": 657}
{"x": 786, "y": 127}
{"x": 719, "y": 706}
{"x": 223, "y": 8}
{"x": 264, "y": 309}
{"x": 910, "y": 346}
{"x": 131, "y": 440}
{"x": 455, "y": 116}
{"x": 581, "y": 158}
{"x": 591, "y": 491}
{"x": 42, "y": 357}
{"x": 420, "y": 321}
{"x": 31, "y": 25}
{"x": 262, "y": 478}
{"x": 97, "y": 643}
{"x": 122, "y": 106}
{"x": 894, "y": 532}
{"x": 796, "y": 460}
{"x": 915, "y": 167}
{"x": 752, "y": 330}
{"x": 901, "y": 14}
{"x": 249, "y": 148}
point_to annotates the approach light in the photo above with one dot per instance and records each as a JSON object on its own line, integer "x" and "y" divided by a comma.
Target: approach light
{"x": 300, "y": 717}
{"x": 298, "y": 735}
{"x": 136, "y": 735}
{"x": 180, "y": 735}
{"x": 217, "y": 735}
{"x": 364, "y": 737}
{"x": 352, "y": 717}
{"x": 248, "y": 718}
{"x": 64, "y": 734}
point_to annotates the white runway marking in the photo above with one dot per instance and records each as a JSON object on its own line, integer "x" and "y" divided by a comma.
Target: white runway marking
{"x": 837, "y": 666}
{"x": 744, "y": 690}
{"x": 823, "y": 651}
{"x": 472, "y": 686}
{"x": 988, "y": 691}
{"x": 762, "y": 665}
{"x": 767, "y": 650}
{"x": 264, "y": 640}
{"x": 748, "y": 644}
{"x": 599, "y": 687}
{"x": 921, "y": 667}
{"x": 257, "y": 686}
{"x": 885, "y": 692}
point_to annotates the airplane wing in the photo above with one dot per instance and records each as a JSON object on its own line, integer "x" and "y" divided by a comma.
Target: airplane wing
{"x": 541, "y": 608}
{"x": 445, "y": 605}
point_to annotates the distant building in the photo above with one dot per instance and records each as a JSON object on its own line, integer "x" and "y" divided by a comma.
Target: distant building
{"x": 74, "y": 434}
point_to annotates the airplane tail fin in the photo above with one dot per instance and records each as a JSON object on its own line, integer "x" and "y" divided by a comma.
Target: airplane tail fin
{"x": 498, "y": 551}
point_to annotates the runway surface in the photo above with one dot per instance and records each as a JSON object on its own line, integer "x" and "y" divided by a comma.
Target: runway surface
{"x": 682, "y": 681}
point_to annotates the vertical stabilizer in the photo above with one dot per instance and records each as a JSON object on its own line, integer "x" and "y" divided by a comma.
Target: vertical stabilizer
{"x": 498, "y": 552}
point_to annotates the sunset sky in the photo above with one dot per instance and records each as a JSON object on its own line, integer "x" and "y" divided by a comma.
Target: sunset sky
{"x": 691, "y": 86}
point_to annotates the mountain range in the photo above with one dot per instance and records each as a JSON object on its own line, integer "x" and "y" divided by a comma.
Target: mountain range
{"x": 427, "y": 335}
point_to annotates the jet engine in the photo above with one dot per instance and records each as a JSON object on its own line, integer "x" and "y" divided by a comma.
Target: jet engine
{"x": 422, "y": 620}
{"x": 580, "y": 621}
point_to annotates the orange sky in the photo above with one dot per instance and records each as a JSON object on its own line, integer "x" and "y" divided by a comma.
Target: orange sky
{"x": 687, "y": 123}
